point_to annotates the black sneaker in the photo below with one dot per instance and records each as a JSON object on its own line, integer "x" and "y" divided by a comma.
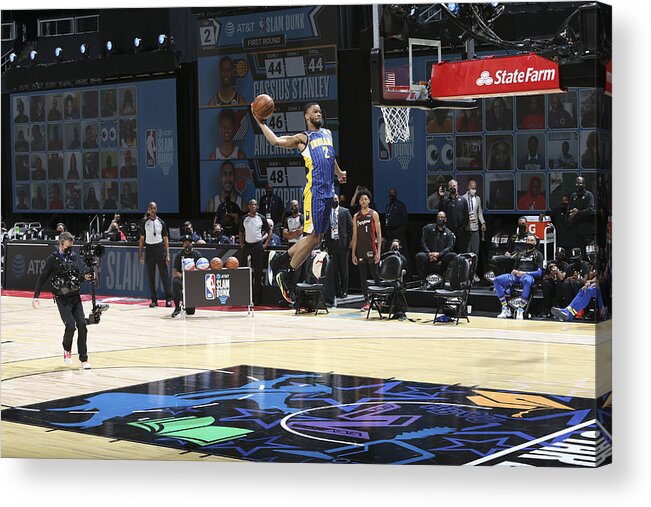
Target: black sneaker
{"x": 168, "y": 303}
{"x": 153, "y": 304}
{"x": 176, "y": 311}
{"x": 284, "y": 286}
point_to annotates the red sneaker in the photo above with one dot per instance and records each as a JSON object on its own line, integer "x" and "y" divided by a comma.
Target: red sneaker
{"x": 579, "y": 314}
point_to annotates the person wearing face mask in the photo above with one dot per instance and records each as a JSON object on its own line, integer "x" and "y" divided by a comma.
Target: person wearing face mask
{"x": 456, "y": 211}
{"x": 500, "y": 264}
{"x": 526, "y": 268}
{"x": 395, "y": 219}
{"x": 438, "y": 248}
{"x": 228, "y": 214}
{"x": 188, "y": 252}
{"x": 63, "y": 266}
{"x": 338, "y": 239}
{"x": 218, "y": 235}
{"x": 474, "y": 221}
{"x": 560, "y": 216}
{"x": 582, "y": 216}
{"x": 272, "y": 206}
{"x": 154, "y": 236}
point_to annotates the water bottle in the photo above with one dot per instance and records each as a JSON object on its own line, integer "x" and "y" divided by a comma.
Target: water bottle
{"x": 16, "y": 232}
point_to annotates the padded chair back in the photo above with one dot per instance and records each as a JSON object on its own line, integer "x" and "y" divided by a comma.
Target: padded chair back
{"x": 458, "y": 274}
{"x": 316, "y": 267}
{"x": 390, "y": 268}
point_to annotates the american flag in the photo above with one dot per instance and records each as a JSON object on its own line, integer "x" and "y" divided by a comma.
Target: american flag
{"x": 390, "y": 79}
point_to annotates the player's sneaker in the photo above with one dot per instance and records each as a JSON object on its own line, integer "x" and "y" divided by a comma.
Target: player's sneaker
{"x": 519, "y": 314}
{"x": 505, "y": 313}
{"x": 365, "y": 307}
{"x": 285, "y": 287}
{"x": 561, "y": 314}
{"x": 86, "y": 365}
{"x": 67, "y": 357}
{"x": 176, "y": 311}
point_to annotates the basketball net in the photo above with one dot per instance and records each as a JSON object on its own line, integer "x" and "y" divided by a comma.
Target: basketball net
{"x": 396, "y": 124}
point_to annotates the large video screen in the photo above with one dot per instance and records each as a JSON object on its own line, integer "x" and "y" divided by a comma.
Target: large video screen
{"x": 524, "y": 152}
{"x": 99, "y": 148}
{"x": 287, "y": 54}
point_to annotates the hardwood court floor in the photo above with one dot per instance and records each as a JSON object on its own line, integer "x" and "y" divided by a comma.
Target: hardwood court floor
{"x": 134, "y": 344}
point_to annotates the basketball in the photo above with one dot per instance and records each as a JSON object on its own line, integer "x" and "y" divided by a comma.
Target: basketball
{"x": 232, "y": 263}
{"x": 216, "y": 263}
{"x": 263, "y": 106}
{"x": 188, "y": 264}
{"x": 202, "y": 263}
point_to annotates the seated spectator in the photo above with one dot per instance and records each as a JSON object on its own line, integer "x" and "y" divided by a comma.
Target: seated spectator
{"x": 218, "y": 235}
{"x": 438, "y": 248}
{"x": 188, "y": 230}
{"x": 552, "y": 284}
{"x": 177, "y": 274}
{"x": 589, "y": 290}
{"x": 577, "y": 272}
{"x": 527, "y": 267}
{"x": 501, "y": 264}
{"x": 114, "y": 233}
{"x": 396, "y": 249}
{"x": 275, "y": 239}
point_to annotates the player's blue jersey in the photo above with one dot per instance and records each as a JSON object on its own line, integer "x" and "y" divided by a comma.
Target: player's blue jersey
{"x": 319, "y": 156}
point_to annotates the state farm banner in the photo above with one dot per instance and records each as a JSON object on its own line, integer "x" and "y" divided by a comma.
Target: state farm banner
{"x": 510, "y": 75}
{"x": 609, "y": 78}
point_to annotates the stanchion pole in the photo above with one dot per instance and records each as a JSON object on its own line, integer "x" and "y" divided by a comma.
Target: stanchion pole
{"x": 250, "y": 310}
{"x": 183, "y": 300}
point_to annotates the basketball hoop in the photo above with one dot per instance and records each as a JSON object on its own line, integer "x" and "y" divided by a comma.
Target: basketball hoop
{"x": 396, "y": 123}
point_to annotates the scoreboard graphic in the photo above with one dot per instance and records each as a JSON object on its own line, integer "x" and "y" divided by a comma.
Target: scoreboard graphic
{"x": 283, "y": 54}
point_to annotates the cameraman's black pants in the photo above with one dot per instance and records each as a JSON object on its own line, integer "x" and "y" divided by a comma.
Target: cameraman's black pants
{"x": 177, "y": 294}
{"x": 155, "y": 256}
{"x": 256, "y": 251}
{"x": 72, "y": 315}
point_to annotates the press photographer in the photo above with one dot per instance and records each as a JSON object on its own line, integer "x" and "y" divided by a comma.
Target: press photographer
{"x": 63, "y": 266}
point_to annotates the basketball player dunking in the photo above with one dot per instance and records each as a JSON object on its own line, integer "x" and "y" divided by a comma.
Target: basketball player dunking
{"x": 315, "y": 144}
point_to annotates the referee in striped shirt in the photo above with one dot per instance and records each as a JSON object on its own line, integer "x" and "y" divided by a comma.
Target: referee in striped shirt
{"x": 252, "y": 231}
{"x": 154, "y": 235}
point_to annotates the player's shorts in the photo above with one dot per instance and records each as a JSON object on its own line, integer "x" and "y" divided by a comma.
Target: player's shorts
{"x": 316, "y": 213}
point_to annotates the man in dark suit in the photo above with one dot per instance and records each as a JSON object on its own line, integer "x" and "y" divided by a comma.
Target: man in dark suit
{"x": 337, "y": 239}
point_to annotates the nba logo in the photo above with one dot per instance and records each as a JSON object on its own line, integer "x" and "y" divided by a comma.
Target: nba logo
{"x": 151, "y": 148}
{"x": 211, "y": 290}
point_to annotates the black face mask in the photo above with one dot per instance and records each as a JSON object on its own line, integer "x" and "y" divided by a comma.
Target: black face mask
{"x": 531, "y": 247}
{"x": 440, "y": 221}
{"x": 580, "y": 188}
{"x": 522, "y": 228}
{"x": 392, "y": 197}
{"x": 335, "y": 204}
{"x": 67, "y": 251}
{"x": 270, "y": 193}
{"x": 453, "y": 191}
{"x": 565, "y": 205}
{"x": 294, "y": 210}
{"x": 187, "y": 249}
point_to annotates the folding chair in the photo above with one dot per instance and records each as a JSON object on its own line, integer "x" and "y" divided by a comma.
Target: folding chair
{"x": 309, "y": 294}
{"x": 458, "y": 281}
{"x": 391, "y": 289}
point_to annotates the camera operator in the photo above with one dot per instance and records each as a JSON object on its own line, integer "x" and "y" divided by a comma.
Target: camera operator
{"x": 177, "y": 273}
{"x": 63, "y": 266}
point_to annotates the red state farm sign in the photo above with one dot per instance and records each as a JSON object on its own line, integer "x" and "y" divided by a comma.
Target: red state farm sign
{"x": 509, "y": 75}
